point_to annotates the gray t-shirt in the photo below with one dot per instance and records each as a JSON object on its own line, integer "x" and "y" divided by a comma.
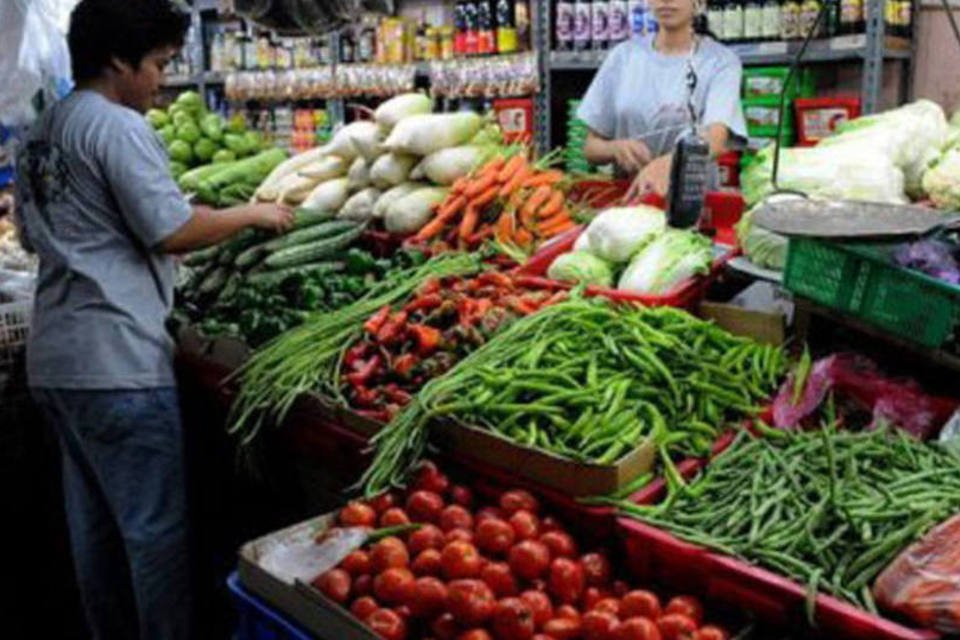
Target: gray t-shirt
{"x": 96, "y": 200}
{"x": 642, "y": 93}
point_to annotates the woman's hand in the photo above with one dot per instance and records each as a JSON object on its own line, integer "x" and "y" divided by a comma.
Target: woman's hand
{"x": 270, "y": 217}
{"x": 653, "y": 178}
{"x": 630, "y": 155}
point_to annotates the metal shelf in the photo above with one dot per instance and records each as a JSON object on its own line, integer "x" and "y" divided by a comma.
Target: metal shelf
{"x": 852, "y": 47}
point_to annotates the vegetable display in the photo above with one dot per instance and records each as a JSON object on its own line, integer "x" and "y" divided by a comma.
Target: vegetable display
{"x": 445, "y": 320}
{"x": 306, "y": 358}
{"x": 508, "y": 570}
{"x": 829, "y": 508}
{"x": 589, "y": 380}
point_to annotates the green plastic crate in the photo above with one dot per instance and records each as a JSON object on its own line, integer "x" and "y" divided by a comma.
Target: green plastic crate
{"x": 771, "y": 81}
{"x": 861, "y": 279}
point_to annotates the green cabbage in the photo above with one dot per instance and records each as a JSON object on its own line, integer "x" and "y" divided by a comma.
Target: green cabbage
{"x": 670, "y": 259}
{"x": 188, "y": 132}
{"x": 618, "y": 233}
{"x": 204, "y": 149}
{"x": 168, "y": 133}
{"x": 180, "y": 151}
{"x": 583, "y": 267}
{"x": 223, "y": 155}
{"x": 212, "y": 126}
{"x": 942, "y": 180}
{"x": 191, "y": 101}
{"x": 762, "y": 247}
{"x": 157, "y": 118}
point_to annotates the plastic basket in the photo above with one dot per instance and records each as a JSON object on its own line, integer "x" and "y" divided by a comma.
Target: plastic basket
{"x": 257, "y": 621}
{"x": 861, "y": 280}
{"x": 14, "y": 326}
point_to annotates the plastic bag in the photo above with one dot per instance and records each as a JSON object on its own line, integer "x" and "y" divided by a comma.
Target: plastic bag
{"x": 34, "y": 59}
{"x": 855, "y": 379}
{"x": 923, "y": 583}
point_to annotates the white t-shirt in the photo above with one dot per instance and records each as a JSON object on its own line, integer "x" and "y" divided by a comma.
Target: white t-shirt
{"x": 642, "y": 93}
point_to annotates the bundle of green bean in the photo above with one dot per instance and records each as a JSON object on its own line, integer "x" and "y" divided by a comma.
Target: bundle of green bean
{"x": 829, "y": 508}
{"x": 589, "y": 380}
{"x": 307, "y": 358}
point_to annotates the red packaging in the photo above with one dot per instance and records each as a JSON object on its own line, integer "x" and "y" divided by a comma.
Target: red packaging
{"x": 818, "y": 118}
{"x": 515, "y": 117}
{"x": 923, "y": 583}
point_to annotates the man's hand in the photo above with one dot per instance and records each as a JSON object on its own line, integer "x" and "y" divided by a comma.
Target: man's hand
{"x": 270, "y": 217}
{"x": 630, "y": 155}
{"x": 653, "y": 178}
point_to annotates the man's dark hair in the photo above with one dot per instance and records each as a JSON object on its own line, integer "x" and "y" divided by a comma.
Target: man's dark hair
{"x": 123, "y": 29}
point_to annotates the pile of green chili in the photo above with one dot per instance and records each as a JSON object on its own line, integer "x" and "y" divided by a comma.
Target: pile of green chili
{"x": 829, "y": 508}
{"x": 589, "y": 380}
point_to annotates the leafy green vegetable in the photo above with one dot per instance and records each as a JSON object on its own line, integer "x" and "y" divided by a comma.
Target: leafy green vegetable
{"x": 583, "y": 267}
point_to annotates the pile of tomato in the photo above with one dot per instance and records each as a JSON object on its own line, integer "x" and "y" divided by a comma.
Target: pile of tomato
{"x": 506, "y": 571}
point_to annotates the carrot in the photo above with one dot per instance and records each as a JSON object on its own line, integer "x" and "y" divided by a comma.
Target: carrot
{"x": 479, "y": 185}
{"x": 432, "y": 228}
{"x": 555, "y": 229}
{"x": 551, "y": 177}
{"x": 524, "y": 238}
{"x": 469, "y": 222}
{"x": 513, "y": 204}
{"x": 553, "y": 205}
{"x": 484, "y": 198}
{"x": 451, "y": 206}
{"x": 459, "y": 185}
{"x": 511, "y": 167}
{"x": 505, "y": 227}
{"x": 516, "y": 181}
{"x": 494, "y": 165}
{"x": 555, "y": 219}
{"x": 535, "y": 201}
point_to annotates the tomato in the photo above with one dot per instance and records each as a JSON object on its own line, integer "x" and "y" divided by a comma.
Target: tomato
{"x": 475, "y": 634}
{"x": 470, "y": 601}
{"x": 429, "y": 478}
{"x": 498, "y": 577}
{"x": 387, "y": 624}
{"x": 686, "y": 606}
{"x": 567, "y": 611}
{"x": 461, "y": 495}
{"x": 428, "y": 563}
{"x": 454, "y": 535}
{"x": 426, "y": 537}
{"x": 525, "y": 525}
{"x": 599, "y": 625}
{"x": 335, "y": 584}
{"x": 363, "y": 585}
{"x": 513, "y": 620}
{"x": 494, "y": 535}
{"x": 357, "y": 563}
{"x": 424, "y": 506}
{"x": 460, "y": 560}
{"x": 710, "y": 633}
{"x": 383, "y": 502}
{"x": 529, "y": 559}
{"x": 358, "y": 514}
{"x": 591, "y": 596}
{"x": 541, "y": 636}
{"x": 549, "y": 523}
{"x": 566, "y": 581}
{"x": 596, "y": 569}
{"x": 394, "y": 586}
{"x": 363, "y": 607}
{"x": 429, "y": 597}
{"x": 540, "y": 606}
{"x": 489, "y": 512}
{"x": 394, "y": 517}
{"x": 389, "y": 552}
{"x": 610, "y": 605}
{"x": 445, "y": 627}
{"x": 561, "y": 544}
{"x": 640, "y": 603}
{"x": 637, "y": 629}
{"x": 619, "y": 588}
{"x": 675, "y": 626}
{"x": 512, "y": 501}
{"x": 403, "y": 611}
{"x": 456, "y": 517}
{"x": 562, "y": 629}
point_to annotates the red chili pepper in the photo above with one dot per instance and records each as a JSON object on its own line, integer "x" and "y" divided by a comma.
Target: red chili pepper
{"x": 395, "y": 394}
{"x": 497, "y": 279}
{"x": 426, "y": 337}
{"x": 363, "y": 397}
{"x": 379, "y": 415}
{"x": 392, "y": 329}
{"x": 365, "y": 371}
{"x": 373, "y": 325}
{"x": 522, "y": 306}
{"x": 405, "y": 363}
{"x": 427, "y": 302}
{"x": 430, "y": 286}
{"x": 354, "y": 354}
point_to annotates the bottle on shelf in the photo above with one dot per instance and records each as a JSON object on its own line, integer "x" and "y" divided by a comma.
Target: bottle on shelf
{"x": 486, "y": 33}
{"x": 650, "y": 23}
{"x": 851, "y": 16}
{"x": 582, "y": 24}
{"x": 790, "y": 20}
{"x": 600, "y": 24}
{"x": 460, "y": 28}
{"x": 521, "y": 22}
{"x": 638, "y": 17}
{"x": 733, "y": 21}
{"x": 771, "y": 20}
{"x": 472, "y": 37}
{"x": 753, "y": 21}
{"x": 348, "y": 54}
{"x": 904, "y": 18}
{"x": 506, "y": 27}
{"x": 618, "y": 21}
{"x": 367, "y": 41}
{"x": 565, "y": 18}
{"x": 831, "y": 21}
{"x": 715, "y": 18}
{"x": 420, "y": 43}
{"x": 808, "y": 19}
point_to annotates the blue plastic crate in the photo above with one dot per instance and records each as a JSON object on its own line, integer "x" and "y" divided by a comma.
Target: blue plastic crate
{"x": 256, "y": 620}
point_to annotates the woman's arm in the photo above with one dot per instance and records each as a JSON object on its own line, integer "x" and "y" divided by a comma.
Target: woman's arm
{"x": 655, "y": 176}
{"x": 209, "y": 226}
{"x": 629, "y": 155}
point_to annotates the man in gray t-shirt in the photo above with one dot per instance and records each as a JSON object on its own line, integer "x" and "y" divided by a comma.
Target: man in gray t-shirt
{"x": 100, "y": 208}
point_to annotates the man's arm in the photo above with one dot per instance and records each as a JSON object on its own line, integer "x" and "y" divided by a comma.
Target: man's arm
{"x": 208, "y": 226}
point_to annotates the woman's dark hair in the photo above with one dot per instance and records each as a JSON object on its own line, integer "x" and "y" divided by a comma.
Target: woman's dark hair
{"x": 700, "y": 27}
{"x": 123, "y": 29}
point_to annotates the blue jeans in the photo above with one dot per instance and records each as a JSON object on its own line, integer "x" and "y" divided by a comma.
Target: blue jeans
{"x": 124, "y": 488}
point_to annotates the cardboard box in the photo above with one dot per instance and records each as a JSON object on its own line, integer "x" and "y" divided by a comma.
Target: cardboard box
{"x": 544, "y": 468}
{"x": 297, "y": 600}
{"x": 760, "y": 312}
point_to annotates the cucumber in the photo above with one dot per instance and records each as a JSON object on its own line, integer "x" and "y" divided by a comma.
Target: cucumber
{"x": 229, "y": 288}
{"x": 305, "y": 217}
{"x": 202, "y": 256}
{"x": 213, "y": 282}
{"x": 312, "y": 251}
{"x": 309, "y": 234}
{"x": 271, "y": 278}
